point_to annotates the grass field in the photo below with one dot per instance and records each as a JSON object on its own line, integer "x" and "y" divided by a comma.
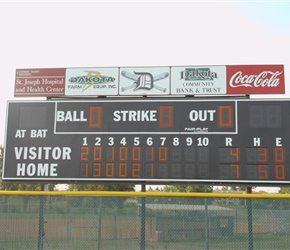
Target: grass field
{"x": 260, "y": 241}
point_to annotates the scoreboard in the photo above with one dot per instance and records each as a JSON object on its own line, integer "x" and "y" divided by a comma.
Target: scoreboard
{"x": 153, "y": 140}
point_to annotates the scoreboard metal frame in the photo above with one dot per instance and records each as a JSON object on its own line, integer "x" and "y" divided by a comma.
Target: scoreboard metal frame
{"x": 152, "y": 140}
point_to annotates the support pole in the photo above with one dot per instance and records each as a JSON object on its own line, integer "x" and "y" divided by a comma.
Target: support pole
{"x": 143, "y": 209}
{"x": 250, "y": 219}
{"x": 41, "y": 220}
{"x": 100, "y": 224}
{"x": 206, "y": 225}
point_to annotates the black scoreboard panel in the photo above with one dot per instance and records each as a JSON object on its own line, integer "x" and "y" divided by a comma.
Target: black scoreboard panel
{"x": 149, "y": 140}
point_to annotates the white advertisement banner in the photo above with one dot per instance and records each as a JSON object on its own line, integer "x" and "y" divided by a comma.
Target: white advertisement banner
{"x": 144, "y": 81}
{"x": 91, "y": 81}
{"x": 198, "y": 80}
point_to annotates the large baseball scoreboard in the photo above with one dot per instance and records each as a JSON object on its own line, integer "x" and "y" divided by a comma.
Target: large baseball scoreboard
{"x": 152, "y": 140}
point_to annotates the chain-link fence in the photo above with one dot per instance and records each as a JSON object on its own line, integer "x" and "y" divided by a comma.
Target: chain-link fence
{"x": 132, "y": 220}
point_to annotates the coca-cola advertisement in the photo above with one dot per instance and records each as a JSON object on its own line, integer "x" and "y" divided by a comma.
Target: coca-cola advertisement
{"x": 255, "y": 79}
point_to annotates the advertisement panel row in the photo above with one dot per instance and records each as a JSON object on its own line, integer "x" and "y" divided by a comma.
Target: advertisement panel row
{"x": 146, "y": 81}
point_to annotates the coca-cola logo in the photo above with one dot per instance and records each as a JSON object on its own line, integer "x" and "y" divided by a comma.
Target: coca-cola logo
{"x": 264, "y": 79}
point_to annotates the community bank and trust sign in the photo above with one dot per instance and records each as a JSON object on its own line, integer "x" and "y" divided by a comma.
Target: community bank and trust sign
{"x": 202, "y": 80}
{"x": 150, "y": 81}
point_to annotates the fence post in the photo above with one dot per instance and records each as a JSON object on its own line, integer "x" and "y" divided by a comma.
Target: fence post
{"x": 250, "y": 219}
{"x": 41, "y": 220}
{"x": 100, "y": 224}
{"x": 143, "y": 209}
{"x": 206, "y": 224}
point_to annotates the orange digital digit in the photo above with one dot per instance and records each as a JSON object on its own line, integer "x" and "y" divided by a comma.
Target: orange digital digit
{"x": 97, "y": 169}
{"x": 123, "y": 153}
{"x": 279, "y": 154}
{"x": 263, "y": 156}
{"x": 136, "y": 153}
{"x": 97, "y": 153}
{"x": 136, "y": 170}
{"x": 84, "y": 153}
{"x": 111, "y": 155}
{"x": 162, "y": 153}
{"x": 110, "y": 169}
{"x": 237, "y": 167}
{"x": 95, "y": 116}
{"x": 263, "y": 171}
{"x": 123, "y": 170}
{"x": 152, "y": 153}
{"x": 228, "y": 110}
{"x": 166, "y": 118}
{"x": 280, "y": 172}
{"x": 235, "y": 152}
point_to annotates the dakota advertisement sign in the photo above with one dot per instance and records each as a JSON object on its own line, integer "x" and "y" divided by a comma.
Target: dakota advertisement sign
{"x": 91, "y": 81}
{"x": 39, "y": 82}
{"x": 255, "y": 79}
{"x": 202, "y": 80}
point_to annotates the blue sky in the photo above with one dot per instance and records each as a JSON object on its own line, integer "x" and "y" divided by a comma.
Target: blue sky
{"x": 273, "y": 15}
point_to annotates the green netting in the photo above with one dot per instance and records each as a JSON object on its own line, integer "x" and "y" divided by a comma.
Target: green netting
{"x": 119, "y": 222}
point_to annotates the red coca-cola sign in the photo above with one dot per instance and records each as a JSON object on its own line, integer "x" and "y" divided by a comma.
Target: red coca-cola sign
{"x": 255, "y": 79}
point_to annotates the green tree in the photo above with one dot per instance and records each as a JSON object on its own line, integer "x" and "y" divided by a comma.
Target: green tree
{"x": 188, "y": 188}
{"x": 101, "y": 187}
{"x": 117, "y": 202}
{"x": 284, "y": 190}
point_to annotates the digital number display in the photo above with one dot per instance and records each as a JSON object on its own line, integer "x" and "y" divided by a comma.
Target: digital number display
{"x": 265, "y": 116}
{"x": 149, "y": 140}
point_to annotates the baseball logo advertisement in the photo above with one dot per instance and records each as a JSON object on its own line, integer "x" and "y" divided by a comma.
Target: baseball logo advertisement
{"x": 91, "y": 81}
{"x": 144, "y": 81}
{"x": 198, "y": 80}
{"x": 255, "y": 79}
